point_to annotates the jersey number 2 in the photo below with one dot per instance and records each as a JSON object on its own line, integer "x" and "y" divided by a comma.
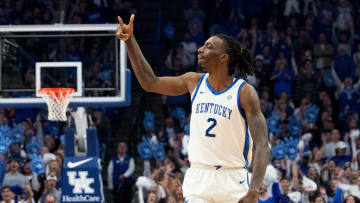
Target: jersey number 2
{"x": 208, "y": 134}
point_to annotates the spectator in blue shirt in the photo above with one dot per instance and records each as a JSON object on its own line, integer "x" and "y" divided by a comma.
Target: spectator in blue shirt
{"x": 334, "y": 192}
{"x": 120, "y": 171}
{"x": 282, "y": 79}
{"x": 304, "y": 164}
{"x": 348, "y": 99}
{"x": 284, "y": 46}
{"x": 344, "y": 64}
{"x": 340, "y": 158}
{"x": 268, "y": 57}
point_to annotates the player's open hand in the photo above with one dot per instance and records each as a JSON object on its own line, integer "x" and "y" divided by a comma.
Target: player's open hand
{"x": 250, "y": 197}
{"x": 124, "y": 31}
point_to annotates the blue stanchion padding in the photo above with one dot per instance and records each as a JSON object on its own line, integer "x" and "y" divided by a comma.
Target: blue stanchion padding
{"x": 92, "y": 142}
{"x": 70, "y": 142}
{"x": 81, "y": 181}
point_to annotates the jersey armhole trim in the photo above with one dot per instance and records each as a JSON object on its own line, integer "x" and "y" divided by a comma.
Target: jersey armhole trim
{"x": 238, "y": 101}
{"x": 197, "y": 88}
{"x": 246, "y": 144}
{"x": 247, "y": 136}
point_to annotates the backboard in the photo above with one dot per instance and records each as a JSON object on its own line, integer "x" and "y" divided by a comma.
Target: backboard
{"x": 88, "y": 58}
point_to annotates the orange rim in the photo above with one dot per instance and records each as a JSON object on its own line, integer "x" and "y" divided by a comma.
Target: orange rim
{"x": 60, "y": 93}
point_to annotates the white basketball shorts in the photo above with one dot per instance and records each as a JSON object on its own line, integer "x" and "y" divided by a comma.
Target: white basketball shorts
{"x": 215, "y": 185}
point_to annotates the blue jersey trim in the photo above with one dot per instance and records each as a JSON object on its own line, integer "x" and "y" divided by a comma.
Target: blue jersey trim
{"x": 197, "y": 88}
{"x": 247, "y": 144}
{"x": 222, "y": 91}
{"x": 247, "y": 178}
{"x": 238, "y": 101}
{"x": 247, "y": 136}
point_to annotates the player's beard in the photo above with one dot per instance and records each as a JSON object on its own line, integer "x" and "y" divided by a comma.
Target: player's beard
{"x": 200, "y": 69}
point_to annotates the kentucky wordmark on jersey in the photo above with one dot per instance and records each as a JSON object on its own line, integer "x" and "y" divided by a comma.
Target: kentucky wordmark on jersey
{"x": 219, "y": 134}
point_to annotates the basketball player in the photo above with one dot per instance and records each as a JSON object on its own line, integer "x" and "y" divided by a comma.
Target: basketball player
{"x": 226, "y": 119}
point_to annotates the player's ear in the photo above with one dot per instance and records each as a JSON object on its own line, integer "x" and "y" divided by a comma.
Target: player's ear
{"x": 224, "y": 58}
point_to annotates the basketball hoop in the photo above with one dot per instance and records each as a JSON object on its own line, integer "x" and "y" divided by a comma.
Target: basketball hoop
{"x": 57, "y": 100}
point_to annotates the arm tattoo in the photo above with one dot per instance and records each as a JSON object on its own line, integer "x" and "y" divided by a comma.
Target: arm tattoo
{"x": 258, "y": 131}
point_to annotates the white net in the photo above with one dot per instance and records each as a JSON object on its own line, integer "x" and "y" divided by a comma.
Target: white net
{"x": 57, "y": 100}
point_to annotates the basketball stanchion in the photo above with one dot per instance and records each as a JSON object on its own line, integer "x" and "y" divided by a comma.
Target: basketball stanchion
{"x": 81, "y": 174}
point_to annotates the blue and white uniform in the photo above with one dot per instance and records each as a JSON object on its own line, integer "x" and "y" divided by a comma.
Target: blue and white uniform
{"x": 220, "y": 146}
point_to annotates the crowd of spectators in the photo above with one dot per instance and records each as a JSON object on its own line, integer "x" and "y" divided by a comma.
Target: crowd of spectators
{"x": 307, "y": 74}
{"x": 307, "y": 77}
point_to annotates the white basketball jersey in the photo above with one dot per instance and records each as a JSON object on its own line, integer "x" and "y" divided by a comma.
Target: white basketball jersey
{"x": 219, "y": 134}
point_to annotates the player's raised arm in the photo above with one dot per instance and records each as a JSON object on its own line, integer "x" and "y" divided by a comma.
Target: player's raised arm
{"x": 144, "y": 73}
{"x": 250, "y": 103}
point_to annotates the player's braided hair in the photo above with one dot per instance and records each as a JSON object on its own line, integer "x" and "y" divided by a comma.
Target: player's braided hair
{"x": 240, "y": 61}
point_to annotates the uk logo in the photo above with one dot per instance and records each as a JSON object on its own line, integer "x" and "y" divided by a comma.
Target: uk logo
{"x": 81, "y": 184}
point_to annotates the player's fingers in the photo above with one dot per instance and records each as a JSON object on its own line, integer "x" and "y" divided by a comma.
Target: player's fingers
{"x": 119, "y": 33}
{"x": 124, "y": 36}
{"x": 120, "y": 21}
{"x": 131, "y": 22}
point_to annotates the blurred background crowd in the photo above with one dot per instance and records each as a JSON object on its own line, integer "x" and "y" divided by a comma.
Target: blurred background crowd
{"x": 307, "y": 74}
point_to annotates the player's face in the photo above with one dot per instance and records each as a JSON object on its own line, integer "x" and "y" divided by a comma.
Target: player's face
{"x": 211, "y": 53}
